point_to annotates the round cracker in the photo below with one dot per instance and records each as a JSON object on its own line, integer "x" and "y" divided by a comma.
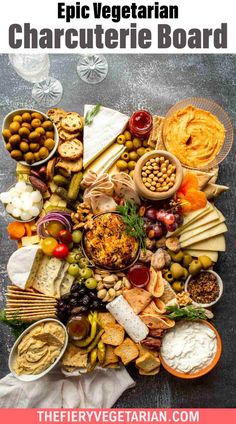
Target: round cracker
{"x": 71, "y": 150}
{"x": 72, "y": 122}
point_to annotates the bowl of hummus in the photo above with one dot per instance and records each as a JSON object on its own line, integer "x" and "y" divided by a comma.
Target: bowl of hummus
{"x": 198, "y": 132}
{"x": 190, "y": 349}
{"x": 38, "y": 349}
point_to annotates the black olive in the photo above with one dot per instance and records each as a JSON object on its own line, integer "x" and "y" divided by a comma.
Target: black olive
{"x": 83, "y": 290}
{"x": 73, "y": 302}
{"x": 75, "y": 288}
{"x": 86, "y": 300}
{"x": 92, "y": 295}
{"x": 65, "y": 297}
{"x": 84, "y": 309}
{"x": 95, "y": 304}
{"x": 76, "y": 295}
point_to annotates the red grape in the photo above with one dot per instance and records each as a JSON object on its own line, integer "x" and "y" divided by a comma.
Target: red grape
{"x": 151, "y": 214}
{"x": 179, "y": 219}
{"x": 169, "y": 219}
{"x": 158, "y": 230}
{"x": 160, "y": 215}
{"x": 172, "y": 227}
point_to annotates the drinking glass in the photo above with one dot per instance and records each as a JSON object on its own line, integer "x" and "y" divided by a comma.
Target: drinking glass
{"x": 35, "y": 68}
{"x": 92, "y": 68}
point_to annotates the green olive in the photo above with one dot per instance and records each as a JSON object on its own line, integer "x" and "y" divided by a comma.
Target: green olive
{"x": 29, "y": 158}
{"x": 24, "y": 132}
{"x": 176, "y": 257}
{"x": 34, "y": 147}
{"x": 125, "y": 156}
{"x": 205, "y": 261}
{"x": 6, "y": 134}
{"x": 49, "y": 143}
{"x": 145, "y": 143}
{"x": 16, "y": 154}
{"x": 131, "y": 174}
{"x": 185, "y": 275}
{"x": 129, "y": 145}
{"x": 141, "y": 151}
{"x": 121, "y": 139}
{"x": 14, "y": 140}
{"x": 26, "y": 117}
{"x": 177, "y": 270}
{"x": 34, "y": 136}
{"x": 121, "y": 165}
{"x": 24, "y": 147}
{"x": 169, "y": 277}
{"x": 131, "y": 165}
{"x": 133, "y": 155}
{"x": 18, "y": 118}
{"x": 37, "y": 115}
{"x": 178, "y": 286}
{"x": 137, "y": 143}
{"x": 47, "y": 125}
{"x": 148, "y": 149}
{"x": 91, "y": 283}
{"x": 86, "y": 273}
{"x": 14, "y": 127}
{"x": 36, "y": 123}
{"x": 127, "y": 135}
{"x": 187, "y": 259}
{"x": 195, "y": 267}
{"x": 43, "y": 152}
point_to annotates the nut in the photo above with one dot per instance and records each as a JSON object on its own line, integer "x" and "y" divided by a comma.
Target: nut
{"x": 173, "y": 244}
{"x": 101, "y": 294}
{"x": 100, "y": 285}
{"x": 126, "y": 283}
{"x": 110, "y": 278}
{"x": 118, "y": 285}
{"x": 38, "y": 184}
{"x": 98, "y": 277}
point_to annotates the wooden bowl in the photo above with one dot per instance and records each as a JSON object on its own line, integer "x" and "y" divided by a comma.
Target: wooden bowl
{"x": 143, "y": 190}
{"x": 203, "y": 371}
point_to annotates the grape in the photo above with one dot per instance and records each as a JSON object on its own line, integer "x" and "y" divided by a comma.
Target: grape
{"x": 160, "y": 215}
{"x": 179, "y": 219}
{"x": 158, "y": 230}
{"x": 151, "y": 214}
{"x": 172, "y": 227}
{"x": 169, "y": 219}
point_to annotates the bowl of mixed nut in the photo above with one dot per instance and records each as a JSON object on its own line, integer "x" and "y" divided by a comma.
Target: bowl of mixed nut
{"x": 158, "y": 175}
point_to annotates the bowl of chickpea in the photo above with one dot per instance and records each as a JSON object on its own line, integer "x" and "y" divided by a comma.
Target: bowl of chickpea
{"x": 158, "y": 175}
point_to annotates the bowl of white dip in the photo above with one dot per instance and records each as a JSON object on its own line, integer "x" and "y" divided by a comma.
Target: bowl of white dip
{"x": 190, "y": 349}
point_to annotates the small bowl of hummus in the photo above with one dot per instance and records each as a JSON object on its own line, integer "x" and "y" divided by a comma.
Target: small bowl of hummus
{"x": 198, "y": 132}
{"x": 38, "y": 349}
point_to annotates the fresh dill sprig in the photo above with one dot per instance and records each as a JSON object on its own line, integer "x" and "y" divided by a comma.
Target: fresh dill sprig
{"x": 90, "y": 114}
{"x": 16, "y": 325}
{"x": 134, "y": 222}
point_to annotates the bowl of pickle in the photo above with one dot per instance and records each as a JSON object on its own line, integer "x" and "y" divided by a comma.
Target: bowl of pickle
{"x": 30, "y": 136}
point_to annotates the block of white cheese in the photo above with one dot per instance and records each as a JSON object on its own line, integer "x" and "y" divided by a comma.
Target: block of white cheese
{"x": 48, "y": 272}
{"x": 106, "y": 160}
{"x": 107, "y": 124}
{"x": 23, "y": 266}
{"x": 125, "y": 316}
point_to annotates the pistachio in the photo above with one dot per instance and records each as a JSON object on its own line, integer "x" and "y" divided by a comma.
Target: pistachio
{"x": 98, "y": 277}
{"x": 110, "y": 278}
{"x": 126, "y": 283}
{"x": 101, "y": 294}
{"x": 100, "y": 285}
{"x": 118, "y": 285}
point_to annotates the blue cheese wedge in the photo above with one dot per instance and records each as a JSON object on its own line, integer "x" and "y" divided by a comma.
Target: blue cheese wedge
{"x": 101, "y": 133}
{"x": 125, "y": 316}
{"x": 48, "y": 272}
{"x": 23, "y": 266}
{"x": 66, "y": 284}
{"x": 58, "y": 281}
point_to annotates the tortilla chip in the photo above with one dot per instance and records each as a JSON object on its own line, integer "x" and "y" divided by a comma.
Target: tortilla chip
{"x": 215, "y": 190}
{"x": 127, "y": 351}
{"x": 110, "y": 356}
{"x": 202, "y": 176}
{"x": 75, "y": 357}
{"x": 114, "y": 334}
{"x": 105, "y": 318}
{"x": 154, "y": 321}
{"x": 156, "y": 132}
{"x": 147, "y": 362}
{"x": 138, "y": 299}
{"x": 156, "y": 284}
{"x": 153, "y": 372}
{"x": 143, "y": 350}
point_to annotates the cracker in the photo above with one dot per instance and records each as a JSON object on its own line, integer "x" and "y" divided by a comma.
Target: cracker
{"x": 147, "y": 362}
{"x": 66, "y": 136}
{"x": 127, "y": 351}
{"x": 72, "y": 122}
{"x": 69, "y": 165}
{"x": 71, "y": 150}
{"x": 56, "y": 114}
{"x": 114, "y": 334}
{"x": 75, "y": 357}
{"x": 105, "y": 318}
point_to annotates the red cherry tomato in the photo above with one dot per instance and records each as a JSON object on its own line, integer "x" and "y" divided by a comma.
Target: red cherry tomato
{"x": 61, "y": 251}
{"x": 65, "y": 236}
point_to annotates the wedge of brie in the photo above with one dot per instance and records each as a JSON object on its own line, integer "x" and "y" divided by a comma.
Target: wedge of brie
{"x": 23, "y": 265}
{"x": 101, "y": 133}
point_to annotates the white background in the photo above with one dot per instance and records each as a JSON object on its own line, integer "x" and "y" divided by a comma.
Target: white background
{"x": 192, "y": 14}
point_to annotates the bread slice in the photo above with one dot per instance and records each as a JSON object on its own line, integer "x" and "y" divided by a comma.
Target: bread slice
{"x": 72, "y": 122}
{"x": 56, "y": 114}
{"x": 127, "y": 351}
{"x": 71, "y": 150}
{"x": 66, "y": 136}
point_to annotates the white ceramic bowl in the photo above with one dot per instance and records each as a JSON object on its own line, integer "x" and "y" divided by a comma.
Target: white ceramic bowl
{"x": 8, "y": 119}
{"x": 220, "y": 283}
{"x": 13, "y": 353}
{"x": 18, "y": 219}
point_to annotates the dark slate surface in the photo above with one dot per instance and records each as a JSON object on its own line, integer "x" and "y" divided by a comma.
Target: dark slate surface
{"x": 155, "y": 83}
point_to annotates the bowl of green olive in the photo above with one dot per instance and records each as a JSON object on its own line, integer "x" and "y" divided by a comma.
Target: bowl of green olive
{"x": 30, "y": 136}
{"x": 158, "y": 175}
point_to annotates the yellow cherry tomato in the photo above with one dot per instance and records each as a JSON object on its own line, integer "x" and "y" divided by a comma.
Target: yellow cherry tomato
{"x": 48, "y": 245}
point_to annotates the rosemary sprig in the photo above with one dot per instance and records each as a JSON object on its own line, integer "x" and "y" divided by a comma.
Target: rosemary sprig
{"x": 189, "y": 313}
{"x": 90, "y": 114}
{"x": 134, "y": 222}
{"x": 16, "y": 325}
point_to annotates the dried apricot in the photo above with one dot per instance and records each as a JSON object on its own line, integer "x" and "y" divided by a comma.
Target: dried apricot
{"x": 190, "y": 181}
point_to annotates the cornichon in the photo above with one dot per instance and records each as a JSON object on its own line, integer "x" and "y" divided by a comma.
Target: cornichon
{"x": 61, "y": 181}
{"x": 74, "y": 186}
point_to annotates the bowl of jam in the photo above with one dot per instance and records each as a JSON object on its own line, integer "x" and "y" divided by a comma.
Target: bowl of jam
{"x": 140, "y": 123}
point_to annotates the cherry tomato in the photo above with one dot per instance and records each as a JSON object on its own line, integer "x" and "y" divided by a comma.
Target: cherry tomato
{"x": 54, "y": 228}
{"x": 61, "y": 251}
{"x": 65, "y": 236}
{"x": 48, "y": 245}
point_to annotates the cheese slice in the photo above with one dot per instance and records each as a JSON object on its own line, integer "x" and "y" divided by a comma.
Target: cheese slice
{"x": 203, "y": 228}
{"x": 58, "y": 281}
{"x": 215, "y": 231}
{"x": 214, "y": 244}
{"x": 23, "y": 266}
{"x": 102, "y": 132}
{"x": 48, "y": 273}
{"x": 196, "y": 253}
{"x": 106, "y": 160}
{"x": 28, "y": 241}
{"x": 206, "y": 219}
{"x": 192, "y": 217}
{"x": 66, "y": 284}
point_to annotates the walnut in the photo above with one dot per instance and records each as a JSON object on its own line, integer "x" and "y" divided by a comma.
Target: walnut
{"x": 161, "y": 242}
{"x": 150, "y": 244}
{"x": 183, "y": 299}
{"x": 173, "y": 244}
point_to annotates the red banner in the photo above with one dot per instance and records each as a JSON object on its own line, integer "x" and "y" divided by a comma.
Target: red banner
{"x": 138, "y": 416}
